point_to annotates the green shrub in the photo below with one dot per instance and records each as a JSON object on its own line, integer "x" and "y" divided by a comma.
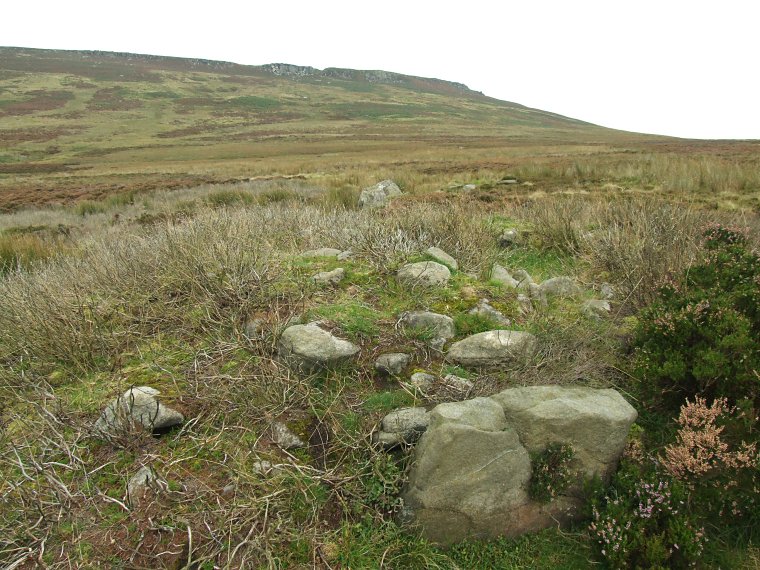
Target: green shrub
{"x": 550, "y": 472}
{"x": 644, "y": 523}
{"x": 702, "y": 337}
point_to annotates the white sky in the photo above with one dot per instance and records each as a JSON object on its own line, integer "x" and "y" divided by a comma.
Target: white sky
{"x": 681, "y": 68}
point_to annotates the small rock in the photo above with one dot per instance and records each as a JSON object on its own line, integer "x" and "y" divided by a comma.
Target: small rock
{"x": 254, "y": 329}
{"x": 537, "y": 294}
{"x": 493, "y": 348}
{"x": 404, "y": 425}
{"x": 310, "y": 348}
{"x": 425, "y": 274}
{"x": 484, "y": 309}
{"x": 344, "y": 255}
{"x": 596, "y": 308}
{"x": 229, "y": 490}
{"x": 560, "y": 287}
{"x": 501, "y": 275}
{"x": 524, "y": 280}
{"x": 137, "y": 406}
{"x": 322, "y": 252}
{"x": 265, "y": 467}
{"x": 285, "y": 438}
{"x": 392, "y": 363}
{"x": 507, "y": 181}
{"x": 508, "y": 238}
{"x": 333, "y": 277}
{"x": 457, "y": 384}
{"x": 379, "y": 195}
{"x": 422, "y": 381}
{"x": 525, "y": 304}
{"x": 606, "y": 291}
{"x": 440, "y": 327}
{"x": 469, "y": 187}
{"x": 442, "y": 257}
{"x": 141, "y": 482}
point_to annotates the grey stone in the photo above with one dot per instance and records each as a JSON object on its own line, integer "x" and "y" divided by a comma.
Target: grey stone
{"x": 254, "y": 329}
{"x": 379, "y": 195}
{"x": 424, "y": 274}
{"x": 264, "y": 467}
{"x": 525, "y": 304}
{"x": 524, "y": 280}
{"x": 469, "y": 187}
{"x": 141, "y": 483}
{"x": 310, "y": 348}
{"x": 470, "y": 471}
{"x": 440, "y": 327}
{"x": 596, "y": 308}
{"x": 507, "y": 181}
{"x": 594, "y": 422}
{"x": 404, "y": 425}
{"x": 322, "y": 252}
{"x": 422, "y": 381}
{"x": 502, "y": 276}
{"x": 461, "y": 387}
{"x": 493, "y": 348}
{"x": 344, "y": 255}
{"x": 537, "y": 295}
{"x": 606, "y": 291}
{"x": 442, "y": 257}
{"x": 484, "y": 309}
{"x": 392, "y": 363}
{"x": 333, "y": 277}
{"x": 560, "y": 287}
{"x": 136, "y": 407}
{"x": 508, "y": 238}
{"x": 285, "y": 438}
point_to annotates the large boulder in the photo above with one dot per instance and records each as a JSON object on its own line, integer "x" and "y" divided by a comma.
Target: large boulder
{"x": 472, "y": 467}
{"x": 309, "y": 348}
{"x": 379, "y": 195}
{"x": 470, "y": 472}
{"x": 137, "y": 407}
{"x": 424, "y": 274}
{"x": 493, "y": 348}
{"x": 595, "y": 422}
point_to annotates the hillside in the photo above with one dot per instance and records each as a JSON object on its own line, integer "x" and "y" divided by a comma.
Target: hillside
{"x": 84, "y": 124}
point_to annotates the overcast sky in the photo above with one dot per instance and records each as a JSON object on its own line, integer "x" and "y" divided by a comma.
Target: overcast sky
{"x": 681, "y": 68}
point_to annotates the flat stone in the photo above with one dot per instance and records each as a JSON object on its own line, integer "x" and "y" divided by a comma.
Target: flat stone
{"x": 404, "y": 425}
{"x": 322, "y": 252}
{"x": 442, "y": 257}
{"x": 333, "y": 277}
{"x": 424, "y": 274}
{"x": 493, "y": 348}
{"x": 310, "y": 348}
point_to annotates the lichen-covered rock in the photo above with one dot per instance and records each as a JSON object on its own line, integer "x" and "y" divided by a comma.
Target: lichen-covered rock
{"x": 493, "y": 348}
{"x": 285, "y": 438}
{"x": 379, "y": 195}
{"x": 484, "y": 309}
{"x": 424, "y": 274}
{"x": 392, "y": 363}
{"x": 404, "y": 425}
{"x": 595, "y": 422}
{"x": 440, "y": 327}
{"x": 310, "y": 348}
{"x": 136, "y": 407}
{"x": 442, "y": 257}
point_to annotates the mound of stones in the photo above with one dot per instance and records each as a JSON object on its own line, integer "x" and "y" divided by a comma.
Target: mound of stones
{"x": 136, "y": 408}
{"x": 309, "y": 348}
{"x": 472, "y": 464}
{"x": 379, "y": 195}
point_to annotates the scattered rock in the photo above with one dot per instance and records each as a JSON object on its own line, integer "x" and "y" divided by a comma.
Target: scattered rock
{"x": 595, "y": 422}
{"x": 472, "y": 465}
{"x": 266, "y": 467}
{"x": 137, "y": 407}
{"x": 379, "y": 195}
{"x": 322, "y": 252}
{"x": 525, "y": 304}
{"x": 310, "y": 348}
{"x": 484, "y": 309}
{"x": 596, "y": 308}
{"x": 425, "y": 274}
{"x": 392, "y": 363}
{"x": 493, "y": 348}
{"x": 606, "y": 291}
{"x": 500, "y": 274}
{"x": 254, "y": 329}
{"x": 142, "y": 482}
{"x": 442, "y": 257}
{"x": 537, "y": 295}
{"x": 401, "y": 426}
{"x": 507, "y": 181}
{"x": 524, "y": 280}
{"x": 469, "y": 187}
{"x": 508, "y": 238}
{"x": 285, "y": 438}
{"x": 344, "y": 255}
{"x": 440, "y": 327}
{"x": 560, "y": 287}
{"x": 461, "y": 387}
{"x": 329, "y": 277}
{"x": 422, "y": 381}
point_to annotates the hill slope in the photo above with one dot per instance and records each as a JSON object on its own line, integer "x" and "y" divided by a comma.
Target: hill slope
{"x": 86, "y": 123}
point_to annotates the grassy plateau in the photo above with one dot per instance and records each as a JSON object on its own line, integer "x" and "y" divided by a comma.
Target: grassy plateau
{"x": 153, "y": 208}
